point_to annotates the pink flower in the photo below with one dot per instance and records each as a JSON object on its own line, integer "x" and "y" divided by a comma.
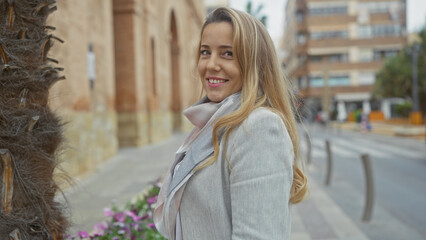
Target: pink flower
{"x": 83, "y": 234}
{"x": 151, "y": 225}
{"x": 151, "y": 200}
{"x": 99, "y": 228}
{"x": 108, "y": 212}
{"x": 120, "y": 217}
{"x": 133, "y": 216}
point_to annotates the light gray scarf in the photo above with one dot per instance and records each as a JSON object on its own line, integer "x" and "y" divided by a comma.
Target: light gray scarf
{"x": 196, "y": 148}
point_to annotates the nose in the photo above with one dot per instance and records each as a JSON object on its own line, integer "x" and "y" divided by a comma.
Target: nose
{"x": 213, "y": 63}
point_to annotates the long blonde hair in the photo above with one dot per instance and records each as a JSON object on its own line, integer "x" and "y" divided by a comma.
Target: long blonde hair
{"x": 264, "y": 85}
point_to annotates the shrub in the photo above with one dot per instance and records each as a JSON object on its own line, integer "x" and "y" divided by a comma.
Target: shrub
{"x": 134, "y": 222}
{"x": 403, "y": 109}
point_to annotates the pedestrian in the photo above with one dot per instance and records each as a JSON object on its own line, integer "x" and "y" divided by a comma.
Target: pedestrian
{"x": 236, "y": 174}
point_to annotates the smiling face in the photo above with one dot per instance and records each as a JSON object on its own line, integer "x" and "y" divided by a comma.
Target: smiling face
{"x": 219, "y": 71}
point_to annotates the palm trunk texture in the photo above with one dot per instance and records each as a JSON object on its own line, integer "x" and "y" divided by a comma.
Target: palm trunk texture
{"x": 30, "y": 134}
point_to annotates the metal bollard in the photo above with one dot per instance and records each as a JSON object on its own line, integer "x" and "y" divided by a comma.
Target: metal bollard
{"x": 369, "y": 197}
{"x": 309, "y": 148}
{"x": 329, "y": 163}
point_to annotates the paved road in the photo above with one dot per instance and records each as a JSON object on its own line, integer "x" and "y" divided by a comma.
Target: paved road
{"x": 399, "y": 169}
{"x": 119, "y": 180}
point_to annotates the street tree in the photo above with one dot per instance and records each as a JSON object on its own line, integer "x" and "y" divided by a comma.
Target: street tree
{"x": 394, "y": 79}
{"x": 256, "y": 13}
{"x": 30, "y": 134}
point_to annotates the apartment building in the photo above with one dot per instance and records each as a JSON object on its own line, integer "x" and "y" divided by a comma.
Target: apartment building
{"x": 211, "y": 5}
{"x": 334, "y": 48}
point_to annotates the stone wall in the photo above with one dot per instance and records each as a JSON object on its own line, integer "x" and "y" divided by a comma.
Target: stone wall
{"x": 145, "y": 74}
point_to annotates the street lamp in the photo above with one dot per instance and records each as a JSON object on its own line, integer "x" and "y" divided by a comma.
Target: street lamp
{"x": 414, "y": 50}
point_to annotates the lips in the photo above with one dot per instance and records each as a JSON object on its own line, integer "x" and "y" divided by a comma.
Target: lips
{"x": 215, "y": 81}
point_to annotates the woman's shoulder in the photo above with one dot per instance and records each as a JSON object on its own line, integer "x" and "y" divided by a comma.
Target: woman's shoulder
{"x": 263, "y": 116}
{"x": 261, "y": 122}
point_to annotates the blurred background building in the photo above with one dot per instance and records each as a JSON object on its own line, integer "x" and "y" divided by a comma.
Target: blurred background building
{"x": 213, "y": 4}
{"x": 130, "y": 68}
{"x": 333, "y": 50}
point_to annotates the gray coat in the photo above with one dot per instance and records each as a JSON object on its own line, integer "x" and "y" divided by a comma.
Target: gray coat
{"x": 250, "y": 201}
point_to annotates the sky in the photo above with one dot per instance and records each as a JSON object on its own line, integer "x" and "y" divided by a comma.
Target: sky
{"x": 274, "y": 9}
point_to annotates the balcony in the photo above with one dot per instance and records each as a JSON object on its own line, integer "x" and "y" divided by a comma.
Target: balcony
{"x": 385, "y": 18}
{"x": 301, "y": 70}
{"x": 347, "y": 42}
{"x": 330, "y": 20}
{"x": 318, "y": 92}
{"x": 344, "y": 66}
{"x": 302, "y": 26}
{"x": 302, "y": 48}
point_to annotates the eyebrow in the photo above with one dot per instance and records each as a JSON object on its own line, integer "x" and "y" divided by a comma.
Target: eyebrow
{"x": 221, "y": 46}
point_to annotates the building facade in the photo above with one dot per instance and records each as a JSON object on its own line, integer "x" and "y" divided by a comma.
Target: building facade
{"x": 131, "y": 69}
{"x": 333, "y": 49}
{"x": 213, "y": 4}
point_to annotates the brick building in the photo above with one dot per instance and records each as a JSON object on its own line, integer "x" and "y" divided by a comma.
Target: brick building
{"x": 130, "y": 68}
{"x": 333, "y": 49}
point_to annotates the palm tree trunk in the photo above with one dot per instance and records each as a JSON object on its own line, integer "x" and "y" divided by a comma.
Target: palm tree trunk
{"x": 30, "y": 133}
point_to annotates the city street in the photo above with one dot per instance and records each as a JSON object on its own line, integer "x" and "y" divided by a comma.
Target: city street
{"x": 332, "y": 212}
{"x": 399, "y": 166}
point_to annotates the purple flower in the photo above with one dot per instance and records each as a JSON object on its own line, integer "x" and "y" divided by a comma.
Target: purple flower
{"x": 151, "y": 200}
{"x": 99, "y": 228}
{"x": 151, "y": 225}
{"x": 108, "y": 212}
{"x": 115, "y": 238}
{"x": 120, "y": 217}
{"x": 133, "y": 216}
{"x": 83, "y": 234}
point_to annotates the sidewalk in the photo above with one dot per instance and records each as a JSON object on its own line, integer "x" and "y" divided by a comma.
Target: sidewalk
{"x": 387, "y": 129}
{"x": 129, "y": 172}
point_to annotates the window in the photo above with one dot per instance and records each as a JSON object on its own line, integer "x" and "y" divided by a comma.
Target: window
{"x": 366, "y": 55}
{"x": 302, "y": 82}
{"x": 364, "y": 31}
{"x": 366, "y": 78}
{"x": 339, "y": 80}
{"x": 300, "y": 16}
{"x": 336, "y": 80}
{"x": 338, "y": 57}
{"x": 302, "y": 59}
{"x": 386, "y": 30}
{"x": 329, "y": 34}
{"x": 316, "y": 58}
{"x": 369, "y": 31}
{"x": 317, "y": 82}
{"x": 385, "y": 53}
{"x": 380, "y": 7}
{"x": 301, "y": 38}
{"x": 328, "y": 10}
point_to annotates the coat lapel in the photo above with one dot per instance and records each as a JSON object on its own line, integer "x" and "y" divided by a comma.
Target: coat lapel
{"x": 200, "y": 150}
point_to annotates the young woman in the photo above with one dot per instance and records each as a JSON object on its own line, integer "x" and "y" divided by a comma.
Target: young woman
{"x": 235, "y": 176}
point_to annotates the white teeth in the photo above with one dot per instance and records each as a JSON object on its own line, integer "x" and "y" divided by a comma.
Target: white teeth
{"x": 215, "y": 81}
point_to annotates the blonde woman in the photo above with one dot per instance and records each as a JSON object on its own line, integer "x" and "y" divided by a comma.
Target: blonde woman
{"x": 236, "y": 174}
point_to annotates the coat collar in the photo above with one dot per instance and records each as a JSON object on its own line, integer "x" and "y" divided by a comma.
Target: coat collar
{"x": 203, "y": 114}
{"x": 167, "y": 206}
